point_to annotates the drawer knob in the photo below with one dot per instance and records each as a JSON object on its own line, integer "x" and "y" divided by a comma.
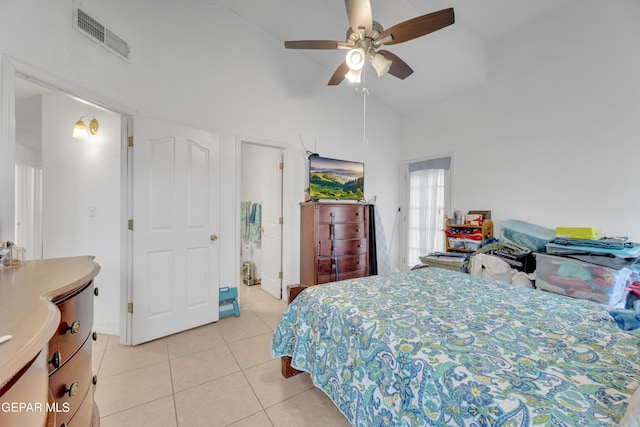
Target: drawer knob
{"x": 55, "y": 360}
{"x": 74, "y": 327}
{"x": 72, "y": 390}
{"x": 96, "y": 291}
{"x": 94, "y": 380}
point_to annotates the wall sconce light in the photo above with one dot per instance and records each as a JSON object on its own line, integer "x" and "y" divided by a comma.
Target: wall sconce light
{"x": 80, "y": 129}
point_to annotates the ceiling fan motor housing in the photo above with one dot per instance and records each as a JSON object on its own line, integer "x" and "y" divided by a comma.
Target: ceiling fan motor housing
{"x": 365, "y": 36}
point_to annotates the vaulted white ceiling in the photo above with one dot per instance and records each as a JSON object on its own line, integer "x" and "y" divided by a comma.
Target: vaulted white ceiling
{"x": 445, "y": 63}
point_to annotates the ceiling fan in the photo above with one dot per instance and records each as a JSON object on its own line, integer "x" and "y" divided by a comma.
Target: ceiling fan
{"x": 365, "y": 36}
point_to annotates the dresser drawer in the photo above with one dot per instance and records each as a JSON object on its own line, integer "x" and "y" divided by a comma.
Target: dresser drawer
{"x": 341, "y": 214}
{"x": 327, "y": 278}
{"x": 84, "y": 416}
{"x": 342, "y": 231}
{"x": 76, "y": 320}
{"x": 343, "y": 247}
{"x": 70, "y": 383}
{"x": 346, "y": 264}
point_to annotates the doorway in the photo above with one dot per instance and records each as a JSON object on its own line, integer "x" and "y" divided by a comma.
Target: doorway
{"x": 428, "y": 189}
{"x": 261, "y": 216}
{"x": 67, "y": 192}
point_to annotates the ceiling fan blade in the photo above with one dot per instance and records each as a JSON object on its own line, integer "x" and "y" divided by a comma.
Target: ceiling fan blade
{"x": 359, "y": 14}
{"x": 418, "y": 27}
{"x": 339, "y": 74}
{"x": 399, "y": 68}
{"x": 313, "y": 44}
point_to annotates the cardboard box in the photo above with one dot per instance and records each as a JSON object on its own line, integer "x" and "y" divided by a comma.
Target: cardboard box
{"x": 473, "y": 219}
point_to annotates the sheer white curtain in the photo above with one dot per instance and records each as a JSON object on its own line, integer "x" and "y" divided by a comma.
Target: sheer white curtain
{"x": 427, "y": 196}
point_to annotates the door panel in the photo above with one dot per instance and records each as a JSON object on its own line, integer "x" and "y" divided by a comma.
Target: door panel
{"x": 272, "y": 234}
{"x": 175, "y": 211}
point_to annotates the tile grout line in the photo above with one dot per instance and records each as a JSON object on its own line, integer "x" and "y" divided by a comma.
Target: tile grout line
{"x": 173, "y": 390}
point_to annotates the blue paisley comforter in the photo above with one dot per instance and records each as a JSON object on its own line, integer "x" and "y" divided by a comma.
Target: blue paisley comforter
{"x": 435, "y": 347}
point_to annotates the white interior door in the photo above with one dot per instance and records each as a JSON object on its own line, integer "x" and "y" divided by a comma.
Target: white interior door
{"x": 271, "y": 214}
{"x": 175, "y": 211}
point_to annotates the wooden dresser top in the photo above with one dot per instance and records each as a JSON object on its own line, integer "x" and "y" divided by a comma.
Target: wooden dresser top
{"x": 26, "y": 310}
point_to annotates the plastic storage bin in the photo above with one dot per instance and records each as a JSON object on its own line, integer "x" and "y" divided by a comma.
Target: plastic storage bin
{"x": 574, "y": 278}
{"x": 449, "y": 262}
{"x": 527, "y": 235}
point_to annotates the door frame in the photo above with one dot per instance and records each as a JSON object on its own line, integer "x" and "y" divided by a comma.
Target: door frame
{"x": 286, "y": 211}
{"x": 10, "y": 69}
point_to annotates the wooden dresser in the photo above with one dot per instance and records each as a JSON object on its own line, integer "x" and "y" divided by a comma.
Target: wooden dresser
{"x": 46, "y": 376}
{"x": 333, "y": 242}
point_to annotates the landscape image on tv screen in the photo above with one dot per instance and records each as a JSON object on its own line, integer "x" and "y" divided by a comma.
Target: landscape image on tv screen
{"x": 335, "y": 179}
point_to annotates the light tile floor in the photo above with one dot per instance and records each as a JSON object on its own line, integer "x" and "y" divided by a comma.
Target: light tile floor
{"x": 221, "y": 374}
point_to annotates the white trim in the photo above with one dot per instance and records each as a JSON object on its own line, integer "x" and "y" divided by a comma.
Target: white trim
{"x": 126, "y": 236}
{"x": 7, "y": 148}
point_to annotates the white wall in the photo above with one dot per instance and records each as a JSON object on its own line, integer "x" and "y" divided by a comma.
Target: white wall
{"x": 77, "y": 176}
{"x": 204, "y": 67}
{"x": 552, "y": 137}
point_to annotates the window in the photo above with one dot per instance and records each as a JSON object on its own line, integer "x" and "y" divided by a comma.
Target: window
{"x": 429, "y": 195}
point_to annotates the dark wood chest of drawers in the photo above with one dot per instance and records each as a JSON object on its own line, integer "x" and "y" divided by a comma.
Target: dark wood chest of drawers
{"x": 71, "y": 379}
{"x": 333, "y": 242}
{"x": 47, "y": 307}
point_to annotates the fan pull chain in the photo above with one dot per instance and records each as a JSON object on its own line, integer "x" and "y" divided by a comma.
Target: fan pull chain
{"x": 365, "y": 92}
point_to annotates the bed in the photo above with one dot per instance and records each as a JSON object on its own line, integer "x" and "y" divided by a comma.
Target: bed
{"x": 439, "y": 347}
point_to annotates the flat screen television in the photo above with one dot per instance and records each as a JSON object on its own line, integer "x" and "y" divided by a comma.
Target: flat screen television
{"x": 335, "y": 179}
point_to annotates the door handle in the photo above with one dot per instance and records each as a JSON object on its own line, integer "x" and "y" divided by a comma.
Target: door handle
{"x": 213, "y": 237}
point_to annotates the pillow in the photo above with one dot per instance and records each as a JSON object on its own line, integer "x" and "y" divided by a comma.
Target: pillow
{"x": 631, "y": 416}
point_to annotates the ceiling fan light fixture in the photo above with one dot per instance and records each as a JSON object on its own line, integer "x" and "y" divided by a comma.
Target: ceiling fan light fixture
{"x": 380, "y": 64}
{"x": 354, "y": 75}
{"x": 355, "y": 59}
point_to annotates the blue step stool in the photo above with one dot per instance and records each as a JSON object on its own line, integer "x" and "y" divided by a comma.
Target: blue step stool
{"x": 229, "y": 296}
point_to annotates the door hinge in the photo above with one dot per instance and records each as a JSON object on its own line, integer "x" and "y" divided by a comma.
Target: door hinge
{"x": 280, "y": 275}
{"x": 130, "y": 141}
{"x": 281, "y": 220}
{"x": 281, "y": 165}
{"x": 130, "y": 308}
{"x": 130, "y": 224}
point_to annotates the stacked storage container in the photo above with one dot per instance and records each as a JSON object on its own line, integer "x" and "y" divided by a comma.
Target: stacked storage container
{"x": 586, "y": 271}
{"x": 589, "y": 271}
